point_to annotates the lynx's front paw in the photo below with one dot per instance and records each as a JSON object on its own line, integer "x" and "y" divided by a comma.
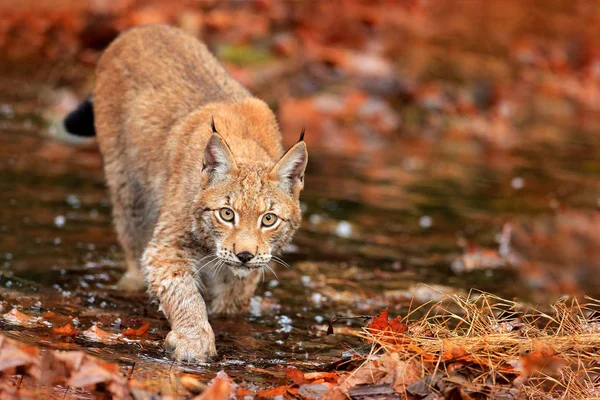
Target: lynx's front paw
{"x": 197, "y": 347}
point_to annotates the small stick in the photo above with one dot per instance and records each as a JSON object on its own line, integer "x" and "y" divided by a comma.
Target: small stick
{"x": 337, "y": 318}
{"x": 131, "y": 372}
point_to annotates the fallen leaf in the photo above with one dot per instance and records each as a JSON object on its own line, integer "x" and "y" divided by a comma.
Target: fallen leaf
{"x": 96, "y": 334}
{"x": 192, "y": 384}
{"x": 401, "y": 373}
{"x": 453, "y": 352}
{"x": 242, "y": 393}
{"x": 543, "y": 359}
{"x": 66, "y": 331}
{"x": 390, "y": 331}
{"x": 295, "y": 375}
{"x": 16, "y": 317}
{"x": 137, "y": 332}
{"x": 219, "y": 388}
{"x": 14, "y": 354}
{"x": 380, "y": 322}
{"x": 330, "y": 377}
{"x": 49, "y": 315}
{"x": 314, "y": 391}
{"x": 272, "y": 392}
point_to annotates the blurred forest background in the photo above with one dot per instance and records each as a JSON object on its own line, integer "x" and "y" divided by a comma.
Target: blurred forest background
{"x": 452, "y": 143}
{"x": 469, "y": 114}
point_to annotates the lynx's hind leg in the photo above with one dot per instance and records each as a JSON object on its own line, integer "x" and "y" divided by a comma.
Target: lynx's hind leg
{"x": 131, "y": 223}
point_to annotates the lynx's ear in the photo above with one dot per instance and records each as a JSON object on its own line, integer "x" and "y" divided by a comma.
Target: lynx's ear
{"x": 218, "y": 159}
{"x": 289, "y": 170}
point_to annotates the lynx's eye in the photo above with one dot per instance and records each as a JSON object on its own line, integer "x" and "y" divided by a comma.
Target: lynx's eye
{"x": 268, "y": 220}
{"x": 226, "y": 214}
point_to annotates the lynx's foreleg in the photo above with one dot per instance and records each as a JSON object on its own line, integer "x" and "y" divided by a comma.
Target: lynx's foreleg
{"x": 169, "y": 271}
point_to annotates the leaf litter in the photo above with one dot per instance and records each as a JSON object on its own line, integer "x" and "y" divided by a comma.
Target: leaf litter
{"x": 462, "y": 347}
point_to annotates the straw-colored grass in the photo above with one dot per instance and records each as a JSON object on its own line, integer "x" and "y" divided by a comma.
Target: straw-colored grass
{"x": 485, "y": 345}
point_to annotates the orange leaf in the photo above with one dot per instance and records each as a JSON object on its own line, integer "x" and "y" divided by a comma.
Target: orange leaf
{"x": 66, "y": 330}
{"x": 454, "y": 352}
{"x": 542, "y": 359}
{"x": 242, "y": 393}
{"x": 397, "y": 326}
{"x": 48, "y": 315}
{"x": 392, "y": 331}
{"x": 219, "y": 389}
{"x": 98, "y": 335}
{"x": 330, "y": 377}
{"x": 380, "y": 322}
{"x": 295, "y": 375}
{"x": 272, "y": 392}
{"x": 137, "y": 332}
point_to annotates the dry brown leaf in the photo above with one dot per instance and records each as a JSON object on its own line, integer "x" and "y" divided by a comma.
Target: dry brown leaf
{"x": 192, "y": 384}
{"x": 330, "y": 377}
{"x": 454, "y": 352}
{"x": 400, "y": 373}
{"x": 369, "y": 373}
{"x": 543, "y": 359}
{"x": 85, "y": 371}
{"x": 219, "y": 389}
{"x": 14, "y": 354}
{"x": 295, "y": 375}
{"x": 272, "y": 392}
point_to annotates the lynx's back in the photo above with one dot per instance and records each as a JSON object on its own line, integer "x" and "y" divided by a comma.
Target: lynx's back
{"x": 155, "y": 85}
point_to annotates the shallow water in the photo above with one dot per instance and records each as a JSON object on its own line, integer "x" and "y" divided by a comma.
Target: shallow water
{"x": 380, "y": 226}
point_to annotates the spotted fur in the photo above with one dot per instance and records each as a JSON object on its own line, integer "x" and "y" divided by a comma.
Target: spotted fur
{"x": 182, "y": 140}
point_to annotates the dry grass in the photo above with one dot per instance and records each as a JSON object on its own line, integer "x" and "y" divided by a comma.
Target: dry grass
{"x": 483, "y": 345}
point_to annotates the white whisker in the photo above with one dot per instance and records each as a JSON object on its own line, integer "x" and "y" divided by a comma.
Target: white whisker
{"x": 262, "y": 280}
{"x": 215, "y": 267}
{"x": 280, "y": 261}
{"x": 267, "y": 266}
{"x": 205, "y": 264}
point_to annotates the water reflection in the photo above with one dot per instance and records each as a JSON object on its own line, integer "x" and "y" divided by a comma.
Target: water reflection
{"x": 377, "y": 224}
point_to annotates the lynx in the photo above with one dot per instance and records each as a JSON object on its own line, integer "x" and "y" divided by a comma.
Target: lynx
{"x": 203, "y": 195}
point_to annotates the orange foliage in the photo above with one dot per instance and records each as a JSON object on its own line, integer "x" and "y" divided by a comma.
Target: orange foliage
{"x": 219, "y": 389}
{"x": 49, "y": 315}
{"x": 391, "y": 331}
{"x": 137, "y": 332}
{"x": 66, "y": 330}
{"x": 542, "y": 359}
{"x": 272, "y": 392}
{"x": 295, "y": 375}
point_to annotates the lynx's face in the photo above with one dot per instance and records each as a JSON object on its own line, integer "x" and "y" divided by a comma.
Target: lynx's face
{"x": 247, "y": 213}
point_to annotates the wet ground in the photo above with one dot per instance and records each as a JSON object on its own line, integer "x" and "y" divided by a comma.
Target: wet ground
{"x": 403, "y": 217}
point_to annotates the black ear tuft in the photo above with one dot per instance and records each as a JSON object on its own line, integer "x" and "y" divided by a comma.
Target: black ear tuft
{"x": 212, "y": 125}
{"x": 302, "y": 134}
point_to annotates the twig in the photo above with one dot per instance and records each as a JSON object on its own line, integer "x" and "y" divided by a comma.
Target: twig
{"x": 131, "y": 371}
{"x": 337, "y": 318}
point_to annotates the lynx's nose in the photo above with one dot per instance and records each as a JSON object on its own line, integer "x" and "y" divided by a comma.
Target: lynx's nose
{"x": 245, "y": 256}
